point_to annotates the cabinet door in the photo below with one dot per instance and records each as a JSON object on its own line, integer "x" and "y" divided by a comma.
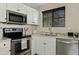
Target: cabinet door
{"x": 5, "y": 47}
{"x": 17, "y": 7}
{"x": 6, "y": 44}
{"x": 12, "y": 7}
{"x": 1, "y": 32}
{"x": 29, "y": 15}
{"x": 32, "y": 16}
{"x": 33, "y": 46}
{"x": 35, "y": 17}
{"x": 2, "y": 12}
{"x": 40, "y": 46}
{"x": 50, "y": 46}
{"x": 22, "y": 8}
{"x": 37, "y": 46}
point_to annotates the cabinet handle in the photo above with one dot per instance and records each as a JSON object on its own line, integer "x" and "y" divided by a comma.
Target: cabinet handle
{"x": 4, "y": 44}
{"x": 5, "y": 18}
{"x": 32, "y": 22}
{"x": 18, "y": 9}
{"x": 44, "y": 43}
{"x": 10, "y": 50}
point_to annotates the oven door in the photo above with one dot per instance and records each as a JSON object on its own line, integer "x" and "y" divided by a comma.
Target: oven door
{"x": 15, "y": 47}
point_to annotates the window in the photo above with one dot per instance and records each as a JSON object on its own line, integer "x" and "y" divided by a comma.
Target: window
{"x": 54, "y": 17}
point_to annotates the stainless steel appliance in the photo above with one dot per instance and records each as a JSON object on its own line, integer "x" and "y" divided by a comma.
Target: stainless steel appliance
{"x": 16, "y": 40}
{"x": 70, "y": 34}
{"x": 66, "y": 47}
{"x": 14, "y": 33}
{"x": 78, "y": 47}
{"x": 15, "y": 47}
{"x": 15, "y": 17}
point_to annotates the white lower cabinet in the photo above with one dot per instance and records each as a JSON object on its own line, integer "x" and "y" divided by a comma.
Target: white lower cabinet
{"x": 50, "y": 46}
{"x": 43, "y": 45}
{"x": 40, "y": 48}
{"x": 4, "y": 53}
{"x": 5, "y": 47}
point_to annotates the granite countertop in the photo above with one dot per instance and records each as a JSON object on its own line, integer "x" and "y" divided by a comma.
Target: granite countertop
{"x": 58, "y": 36}
{"x": 26, "y": 36}
{"x": 6, "y": 38}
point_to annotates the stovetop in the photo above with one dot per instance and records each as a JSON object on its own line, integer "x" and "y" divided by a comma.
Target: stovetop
{"x": 14, "y": 38}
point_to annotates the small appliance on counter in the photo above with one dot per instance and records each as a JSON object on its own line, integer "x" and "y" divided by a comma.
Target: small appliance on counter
{"x": 73, "y": 34}
{"x": 76, "y": 34}
{"x": 70, "y": 34}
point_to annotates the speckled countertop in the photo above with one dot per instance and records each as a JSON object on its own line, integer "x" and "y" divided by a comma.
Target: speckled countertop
{"x": 57, "y": 36}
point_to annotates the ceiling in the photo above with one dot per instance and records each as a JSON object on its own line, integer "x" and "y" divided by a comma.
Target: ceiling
{"x": 34, "y": 5}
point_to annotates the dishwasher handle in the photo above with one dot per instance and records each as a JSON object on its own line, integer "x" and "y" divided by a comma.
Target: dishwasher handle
{"x": 66, "y": 42}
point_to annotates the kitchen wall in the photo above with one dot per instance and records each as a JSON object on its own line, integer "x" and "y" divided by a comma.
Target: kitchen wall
{"x": 27, "y": 29}
{"x": 71, "y": 17}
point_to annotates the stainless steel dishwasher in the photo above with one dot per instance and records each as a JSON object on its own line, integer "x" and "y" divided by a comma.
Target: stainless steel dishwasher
{"x": 66, "y": 46}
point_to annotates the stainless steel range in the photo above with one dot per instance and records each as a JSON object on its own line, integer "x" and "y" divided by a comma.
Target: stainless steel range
{"x": 16, "y": 35}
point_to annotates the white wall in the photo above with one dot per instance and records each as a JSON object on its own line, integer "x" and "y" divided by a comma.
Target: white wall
{"x": 71, "y": 17}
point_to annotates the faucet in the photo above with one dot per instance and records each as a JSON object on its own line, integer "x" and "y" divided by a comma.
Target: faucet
{"x": 75, "y": 35}
{"x": 50, "y": 30}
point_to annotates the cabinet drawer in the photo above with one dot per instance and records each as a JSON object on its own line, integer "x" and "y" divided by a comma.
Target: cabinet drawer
{"x": 5, "y": 49}
{"x": 4, "y": 53}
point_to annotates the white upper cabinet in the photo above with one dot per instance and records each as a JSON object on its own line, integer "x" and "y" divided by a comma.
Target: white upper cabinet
{"x": 29, "y": 15}
{"x": 32, "y": 16}
{"x": 22, "y": 8}
{"x": 2, "y": 12}
{"x": 35, "y": 16}
{"x": 13, "y": 7}
{"x": 17, "y": 7}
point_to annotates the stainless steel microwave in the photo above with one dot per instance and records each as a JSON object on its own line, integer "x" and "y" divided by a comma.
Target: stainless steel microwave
{"x": 15, "y": 17}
